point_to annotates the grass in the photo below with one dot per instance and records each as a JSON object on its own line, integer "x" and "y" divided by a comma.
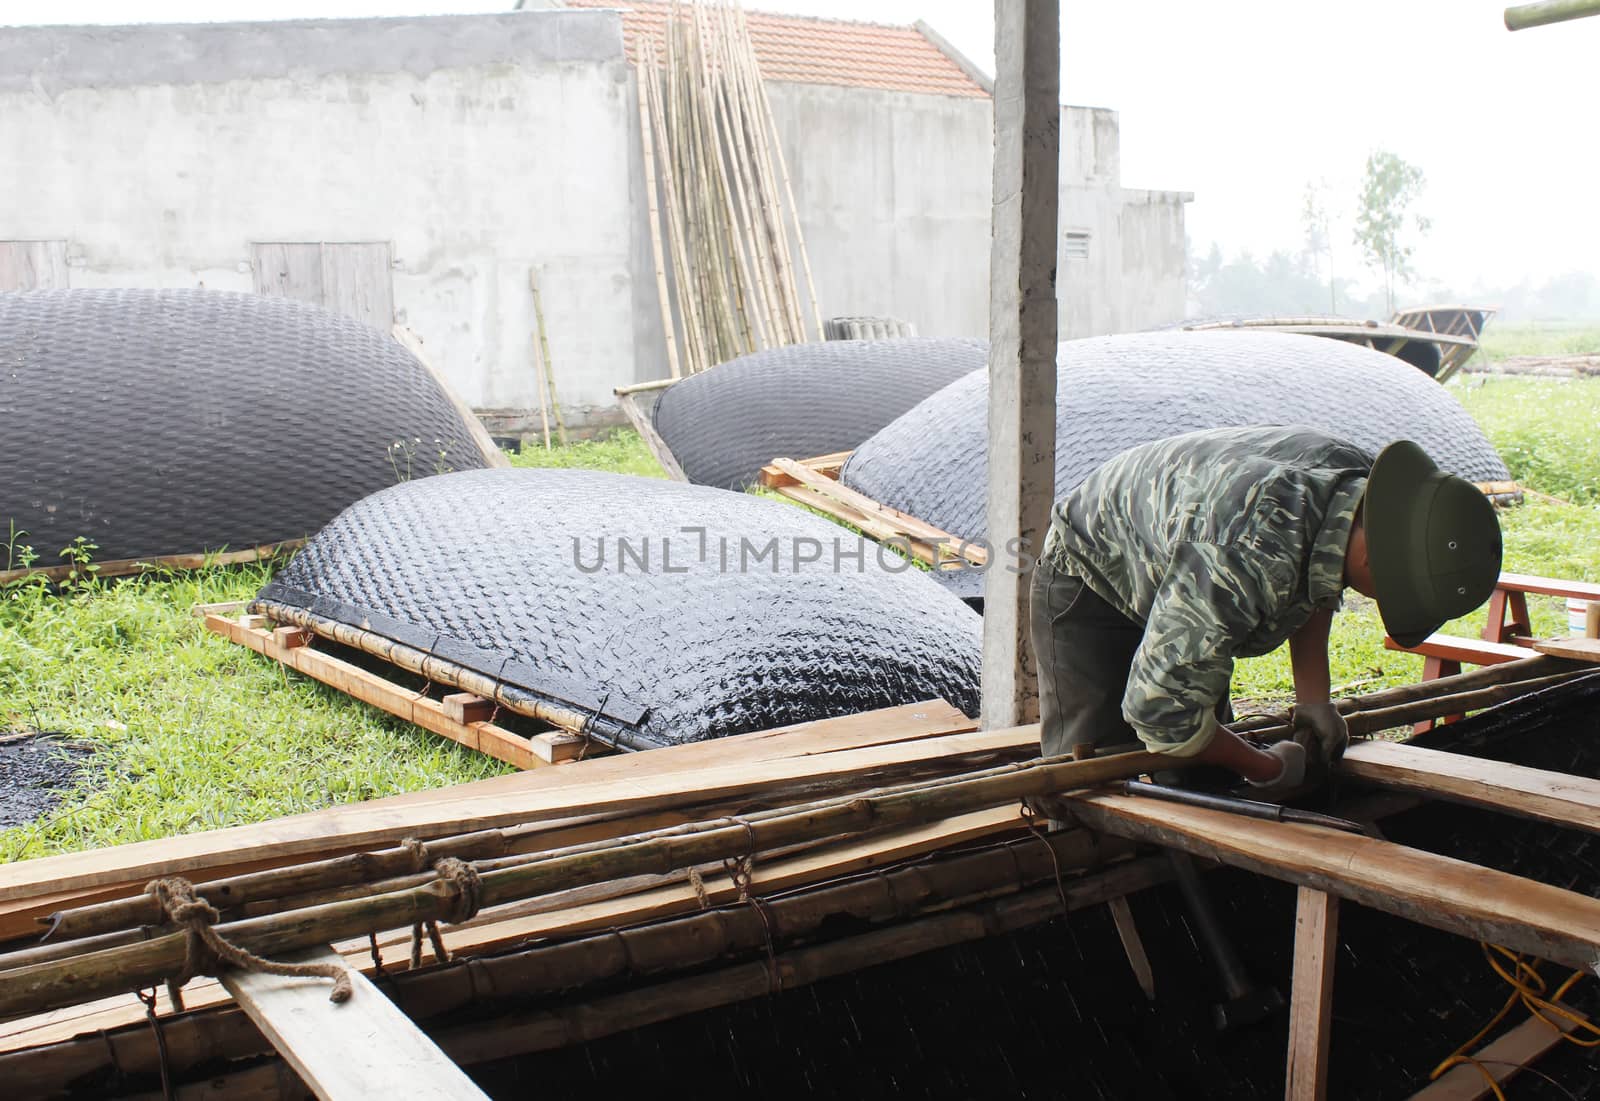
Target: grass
{"x": 621, "y": 452}
{"x": 192, "y": 733}
{"x": 1548, "y": 431}
{"x": 1547, "y": 338}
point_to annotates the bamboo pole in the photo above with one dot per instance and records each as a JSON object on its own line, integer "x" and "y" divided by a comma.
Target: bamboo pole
{"x": 648, "y": 152}
{"x": 788, "y": 189}
{"x": 688, "y": 307}
{"x": 57, "y": 983}
{"x": 1520, "y": 671}
{"x": 1431, "y": 707}
{"x": 489, "y": 849}
{"x": 661, "y": 948}
{"x": 755, "y": 128}
{"x": 544, "y": 353}
{"x": 1545, "y": 12}
{"x": 724, "y": 152}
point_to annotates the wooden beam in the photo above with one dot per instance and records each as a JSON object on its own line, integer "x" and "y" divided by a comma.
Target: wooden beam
{"x": 1572, "y": 801}
{"x": 492, "y": 455}
{"x": 628, "y": 402}
{"x": 1022, "y": 341}
{"x": 122, "y": 567}
{"x": 1316, "y": 946}
{"x": 362, "y": 1048}
{"x": 1453, "y": 895}
{"x": 1502, "y": 1059}
{"x": 1133, "y": 945}
{"x": 1578, "y": 649}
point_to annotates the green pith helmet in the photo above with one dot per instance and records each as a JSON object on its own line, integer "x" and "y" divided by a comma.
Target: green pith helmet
{"x": 1433, "y": 541}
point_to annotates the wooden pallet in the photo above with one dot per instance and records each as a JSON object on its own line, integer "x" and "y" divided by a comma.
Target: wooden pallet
{"x": 815, "y": 484}
{"x": 462, "y": 717}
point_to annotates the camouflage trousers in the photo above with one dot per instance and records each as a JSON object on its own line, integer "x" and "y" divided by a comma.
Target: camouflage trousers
{"x": 1083, "y": 648}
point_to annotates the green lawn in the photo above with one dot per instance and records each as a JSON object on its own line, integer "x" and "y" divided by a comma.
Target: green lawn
{"x": 1534, "y": 338}
{"x": 193, "y": 733}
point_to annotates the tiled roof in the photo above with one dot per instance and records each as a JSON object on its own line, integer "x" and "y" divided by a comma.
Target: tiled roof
{"x": 821, "y": 51}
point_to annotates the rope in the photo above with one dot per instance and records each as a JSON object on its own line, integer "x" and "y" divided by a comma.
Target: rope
{"x": 1035, "y": 830}
{"x": 207, "y": 952}
{"x": 698, "y": 882}
{"x": 586, "y": 731}
{"x": 463, "y": 899}
{"x": 149, "y": 1001}
{"x": 1528, "y": 988}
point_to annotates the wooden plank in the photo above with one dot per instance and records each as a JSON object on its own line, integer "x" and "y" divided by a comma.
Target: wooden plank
{"x": 555, "y": 747}
{"x": 1572, "y": 801}
{"x": 358, "y": 281}
{"x": 362, "y": 1048}
{"x": 122, "y": 567}
{"x": 1503, "y": 1059}
{"x": 362, "y": 825}
{"x": 873, "y": 527}
{"x": 703, "y": 772}
{"x": 1133, "y": 945}
{"x": 289, "y": 646}
{"x": 904, "y": 523}
{"x": 629, "y": 404}
{"x": 1316, "y": 947}
{"x": 33, "y": 265}
{"x": 1439, "y": 891}
{"x": 1474, "y": 651}
{"x": 286, "y": 269}
{"x": 464, "y": 707}
{"x": 1550, "y": 586}
{"x": 1578, "y": 649}
{"x": 480, "y": 435}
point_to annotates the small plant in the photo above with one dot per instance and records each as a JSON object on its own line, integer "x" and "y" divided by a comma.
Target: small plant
{"x": 80, "y": 557}
{"x": 19, "y": 555}
{"x": 441, "y": 452}
{"x": 401, "y": 454}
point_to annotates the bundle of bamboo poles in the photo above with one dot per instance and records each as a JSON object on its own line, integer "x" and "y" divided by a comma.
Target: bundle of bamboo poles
{"x": 725, "y": 232}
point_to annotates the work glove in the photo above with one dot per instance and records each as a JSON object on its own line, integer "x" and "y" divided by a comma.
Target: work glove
{"x": 1289, "y": 781}
{"x": 1322, "y": 731}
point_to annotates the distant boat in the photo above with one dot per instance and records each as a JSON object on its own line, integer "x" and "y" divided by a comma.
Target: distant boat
{"x": 1466, "y": 322}
{"x": 1436, "y": 346}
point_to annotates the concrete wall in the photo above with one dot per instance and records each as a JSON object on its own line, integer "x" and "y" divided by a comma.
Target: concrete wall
{"x": 893, "y": 191}
{"x": 482, "y": 147}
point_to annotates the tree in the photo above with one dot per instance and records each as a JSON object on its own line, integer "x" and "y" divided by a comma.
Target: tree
{"x": 1319, "y": 242}
{"x": 1390, "y": 187}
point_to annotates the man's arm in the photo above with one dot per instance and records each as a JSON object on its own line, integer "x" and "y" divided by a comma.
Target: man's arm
{"x": 1308, "y": 657}
{"x": 1230, "y": 751}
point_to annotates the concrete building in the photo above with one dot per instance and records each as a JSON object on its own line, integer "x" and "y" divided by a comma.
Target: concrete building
{"x": 419, "y": 169}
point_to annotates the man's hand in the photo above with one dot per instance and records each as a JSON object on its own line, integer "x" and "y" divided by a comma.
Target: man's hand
{"x": 1291, "y": 777}
{"x": 1322, "y": 731}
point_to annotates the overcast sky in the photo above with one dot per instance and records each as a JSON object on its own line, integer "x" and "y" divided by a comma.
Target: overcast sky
{"x": 1243, "y": 101}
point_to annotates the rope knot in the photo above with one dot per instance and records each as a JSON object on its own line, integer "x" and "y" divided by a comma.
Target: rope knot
{"x": 207, "y": 952}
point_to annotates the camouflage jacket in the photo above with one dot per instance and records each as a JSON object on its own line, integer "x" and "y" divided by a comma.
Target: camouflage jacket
{"x": 1222, "y": 543}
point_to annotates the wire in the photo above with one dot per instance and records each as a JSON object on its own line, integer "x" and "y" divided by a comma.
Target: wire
{"x": 1528, "y": 988}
